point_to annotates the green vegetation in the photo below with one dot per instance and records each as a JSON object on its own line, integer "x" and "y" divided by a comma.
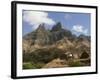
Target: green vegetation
{"x": 40, "y": 57}
{"x": 30, "y": 65}
{"x": 27, "y": 66}
{"x": 75, "y": 64}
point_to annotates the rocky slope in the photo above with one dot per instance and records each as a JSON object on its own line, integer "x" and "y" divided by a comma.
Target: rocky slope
{"x": 53, "y": 43}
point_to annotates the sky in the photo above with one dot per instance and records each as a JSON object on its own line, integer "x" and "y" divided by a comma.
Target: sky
{"x": 78, "y": 23}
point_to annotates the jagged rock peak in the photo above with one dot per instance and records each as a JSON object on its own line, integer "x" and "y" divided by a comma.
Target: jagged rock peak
{"x": 84, "y": 37}
{"x": 57, "y": 27}
{"x": 41, "y": 27}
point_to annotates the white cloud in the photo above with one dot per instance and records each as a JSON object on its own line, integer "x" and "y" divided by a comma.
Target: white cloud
{"x": 35, "y": 18}
{"x": 79, "y": 29}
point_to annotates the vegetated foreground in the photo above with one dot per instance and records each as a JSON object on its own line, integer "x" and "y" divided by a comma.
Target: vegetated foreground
{"x": 55, "y": 48}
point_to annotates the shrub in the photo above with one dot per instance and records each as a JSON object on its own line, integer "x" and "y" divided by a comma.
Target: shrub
{"x": 43, "y": 56}
{"x": 27, "y": 66}
{"x": 31, "y": 65}
{"x": 40, "y": 57}
{"x": 75, "y": 64}
{"x": 38, "y": 65}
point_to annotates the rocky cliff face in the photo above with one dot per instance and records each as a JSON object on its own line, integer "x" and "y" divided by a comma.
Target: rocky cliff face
{"x": 56, "y": 37}
{"x": 54, "y": 48}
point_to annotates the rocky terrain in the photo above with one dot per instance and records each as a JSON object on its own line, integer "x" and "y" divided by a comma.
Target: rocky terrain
{"x": 58, "y": 47}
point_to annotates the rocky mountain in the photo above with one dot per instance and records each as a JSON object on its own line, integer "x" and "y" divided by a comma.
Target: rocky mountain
{"x": 42, "y": 36}
{"x": 57, "y": 27}
{"x": 48, "y": 45}
{"x": 57, "y": 37}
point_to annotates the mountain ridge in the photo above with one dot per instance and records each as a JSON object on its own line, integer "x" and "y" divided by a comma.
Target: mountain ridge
{"x": 47, "y": 48}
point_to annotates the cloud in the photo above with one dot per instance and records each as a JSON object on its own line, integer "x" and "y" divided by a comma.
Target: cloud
{"x": 80, "y": 29}
{"x": 35, "y": 18}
